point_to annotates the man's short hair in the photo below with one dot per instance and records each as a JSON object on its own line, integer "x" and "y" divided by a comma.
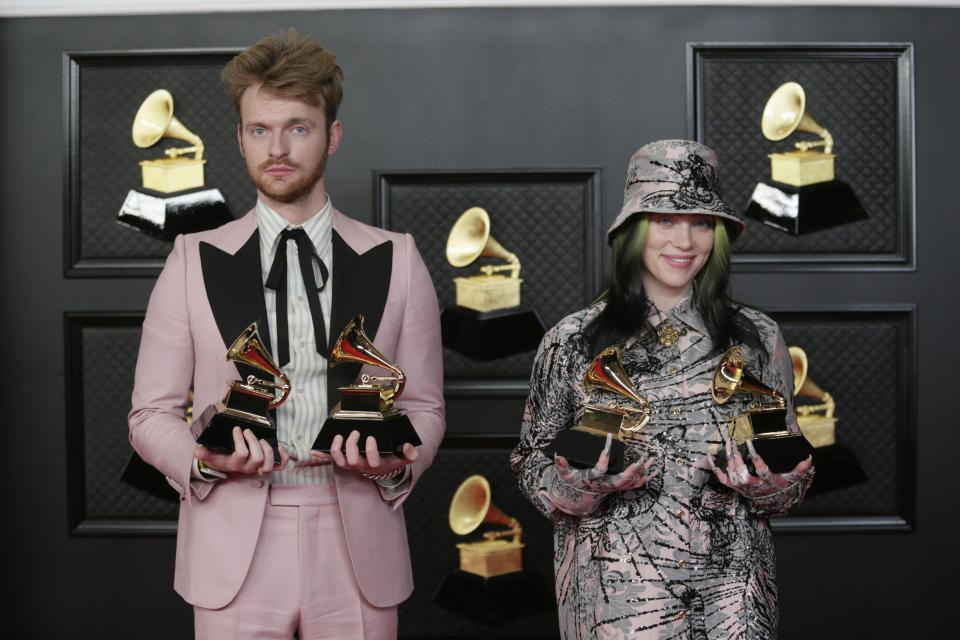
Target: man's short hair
{"x": 289, "y": 66}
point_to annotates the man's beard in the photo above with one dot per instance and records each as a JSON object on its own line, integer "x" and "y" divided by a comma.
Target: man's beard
{"x": 287, "y": 192}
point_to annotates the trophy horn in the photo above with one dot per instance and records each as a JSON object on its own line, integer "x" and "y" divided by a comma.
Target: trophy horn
{"x": 470, "y": 238}
{"x": 804, "y": 386}
{"x": 471, "y": 506}
{"x": 606, "y": 372}
{"x": 155, "y": 120}
{"x": 354, "y": 345}
{"x": 732, "y": 377}
{"x": 248, "y": 348}
{"x": 785, "y": 112}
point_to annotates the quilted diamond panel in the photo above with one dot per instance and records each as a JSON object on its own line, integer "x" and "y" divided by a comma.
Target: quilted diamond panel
{"x": 548, "y": 219}
{"x": 111, "y": 89}
{"x": 860, "y": 358}
{"x": 856, "y": 97}
{"x": 108, "y": 349}
{"x": 434, "y": 553}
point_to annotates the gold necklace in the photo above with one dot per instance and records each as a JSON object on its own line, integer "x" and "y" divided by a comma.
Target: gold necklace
{"x": 667, "y": 335}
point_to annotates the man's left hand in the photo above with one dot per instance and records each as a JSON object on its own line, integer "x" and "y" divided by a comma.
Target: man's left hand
{"x": 346, "y": 455}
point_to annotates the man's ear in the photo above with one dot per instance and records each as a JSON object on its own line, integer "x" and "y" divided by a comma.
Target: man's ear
{"x": 240, "y": 139}
{"x": 334, "y": 135}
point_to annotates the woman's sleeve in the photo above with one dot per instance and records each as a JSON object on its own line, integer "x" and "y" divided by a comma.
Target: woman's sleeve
{"x": 551, "y": 407}
{"x": 778, "y": 373}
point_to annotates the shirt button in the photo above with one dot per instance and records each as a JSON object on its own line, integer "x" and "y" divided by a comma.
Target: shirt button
{"x": 682, "y": 563}
{"x": 674, "y": 371}
{"x": 683, "y": 614}
{"x": 677, "y": 411}
{"x": 302, "y": 344}
{"x": 681, "y": 513}
{"x": 299, "y": 389}
{"x": 299, "y": 298}
{"x": 300, "y": 437}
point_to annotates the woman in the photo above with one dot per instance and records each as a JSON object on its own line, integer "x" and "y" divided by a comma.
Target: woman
{"x": 674, "y": 546}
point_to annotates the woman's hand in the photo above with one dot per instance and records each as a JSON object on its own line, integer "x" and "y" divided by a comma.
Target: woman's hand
{"x": 598, "y": 480}
{"x": 765, "y": 482}
{"x": 578, "y": 492}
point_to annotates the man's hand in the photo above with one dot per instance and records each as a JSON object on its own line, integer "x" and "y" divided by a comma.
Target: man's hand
{"x": 346, "y": 455}
{"x": 249, "y": 455}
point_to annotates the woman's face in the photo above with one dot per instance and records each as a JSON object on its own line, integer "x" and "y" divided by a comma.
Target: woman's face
{"x": 677, "y": 248}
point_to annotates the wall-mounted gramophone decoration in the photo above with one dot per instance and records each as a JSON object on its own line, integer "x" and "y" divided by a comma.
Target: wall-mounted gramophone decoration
{"x": 151, "y": 208}
{"x": 367, "y": 407}
{"x": 491, "y": 584}
{"x": 488, "y": 320}
{"x": 836, "y": 464}
{"x": 247, "y": 402}
{"x": 764, "y": 422}
{"x": 494, "y": 555}
{"x": 805, "y": 195}
{"x": 582, "y": 444}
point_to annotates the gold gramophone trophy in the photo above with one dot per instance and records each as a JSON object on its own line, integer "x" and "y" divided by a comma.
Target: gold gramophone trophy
{"x": 493, "y": 556}
{"x": 764, "y": 422}
{"x": 247, "y": 402}
{"x": 367, "y": 407}
{"x": 150, "y": 209}
{"x": 582, "y": 445}
{"x": 487, "y": 320}
{"x": 816, "y": 419}
{"x": 804, "y": 196}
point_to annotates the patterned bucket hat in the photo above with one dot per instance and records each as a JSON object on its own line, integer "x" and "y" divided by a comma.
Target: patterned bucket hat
{"x": 673, "y": 176}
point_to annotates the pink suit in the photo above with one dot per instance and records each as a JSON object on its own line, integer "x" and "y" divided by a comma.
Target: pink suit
{"x": 209, "y": 290}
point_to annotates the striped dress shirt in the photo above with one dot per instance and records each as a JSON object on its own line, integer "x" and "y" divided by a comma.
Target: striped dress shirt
{"x": 299, "y": 418}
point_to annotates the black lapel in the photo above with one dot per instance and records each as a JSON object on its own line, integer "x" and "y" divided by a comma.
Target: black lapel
{"x": 360, "y": 286}
{"x": 234, "y": 284}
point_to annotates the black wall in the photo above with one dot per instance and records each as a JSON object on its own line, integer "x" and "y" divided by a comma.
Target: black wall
{"x": 468, "y": 90}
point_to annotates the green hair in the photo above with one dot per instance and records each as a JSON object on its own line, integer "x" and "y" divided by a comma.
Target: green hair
{"x": 626, "y": 298}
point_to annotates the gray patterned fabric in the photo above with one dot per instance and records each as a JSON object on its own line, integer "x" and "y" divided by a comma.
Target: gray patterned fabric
{"x": 673, "y": 176}
{"x": 683, "y": 556}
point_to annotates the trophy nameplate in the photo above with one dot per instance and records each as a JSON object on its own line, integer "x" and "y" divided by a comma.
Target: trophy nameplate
{"x": 765, "y": 423}
{"x": 247, "y": 403}
{"x": 582, "y": 445}
{"x": 367, "y": 407}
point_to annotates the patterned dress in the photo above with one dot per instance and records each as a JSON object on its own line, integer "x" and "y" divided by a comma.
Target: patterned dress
{"x": 683, "y": 556}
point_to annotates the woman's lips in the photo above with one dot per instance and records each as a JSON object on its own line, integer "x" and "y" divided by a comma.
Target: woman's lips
{"x": 679, "y": 261}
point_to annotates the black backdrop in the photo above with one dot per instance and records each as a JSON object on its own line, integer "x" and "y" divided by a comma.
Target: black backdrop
{"x": 475, "y": 90}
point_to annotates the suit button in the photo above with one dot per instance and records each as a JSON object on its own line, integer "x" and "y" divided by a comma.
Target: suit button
{"x": 674, "y": 371}
{"x": 682, "y": 563}
{"x": 677, "y": 411}
{"x": 683, "y": 614}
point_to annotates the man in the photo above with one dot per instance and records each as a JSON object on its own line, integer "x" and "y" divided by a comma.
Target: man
{"x": 317, "y": 543}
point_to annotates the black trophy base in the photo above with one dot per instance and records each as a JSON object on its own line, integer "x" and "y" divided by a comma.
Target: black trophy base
{"x": 390, "y": 433}
{"x": 799, "y": 210}
{"x": 164, "y": 215}
{"x": 217, "y": 435}
{"x": 140, "y": 475}
{"x": 781, "y": 453}
{"x": 487, "y": 335}
{"x": 582, "y": 449}
{"x": 836, "y": 468}
{"x": 494, "y": 600}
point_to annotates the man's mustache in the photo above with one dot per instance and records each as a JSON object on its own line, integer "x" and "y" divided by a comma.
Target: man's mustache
{"x": 269, "y": 164}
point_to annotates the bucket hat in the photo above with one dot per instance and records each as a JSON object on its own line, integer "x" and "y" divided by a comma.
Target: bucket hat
{"x": 674, "y": 176}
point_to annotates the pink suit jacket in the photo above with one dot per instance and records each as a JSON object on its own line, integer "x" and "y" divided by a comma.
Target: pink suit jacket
{"x": 209, "y": 290}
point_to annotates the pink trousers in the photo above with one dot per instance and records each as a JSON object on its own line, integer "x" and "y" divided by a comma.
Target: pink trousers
{"x": 301, "y": 579}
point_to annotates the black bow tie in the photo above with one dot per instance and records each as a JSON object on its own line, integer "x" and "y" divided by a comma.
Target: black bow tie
{"x": 277, "y": 280}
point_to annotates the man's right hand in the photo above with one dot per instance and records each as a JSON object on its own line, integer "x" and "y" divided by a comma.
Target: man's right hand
{"x": 249, "y": 455}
